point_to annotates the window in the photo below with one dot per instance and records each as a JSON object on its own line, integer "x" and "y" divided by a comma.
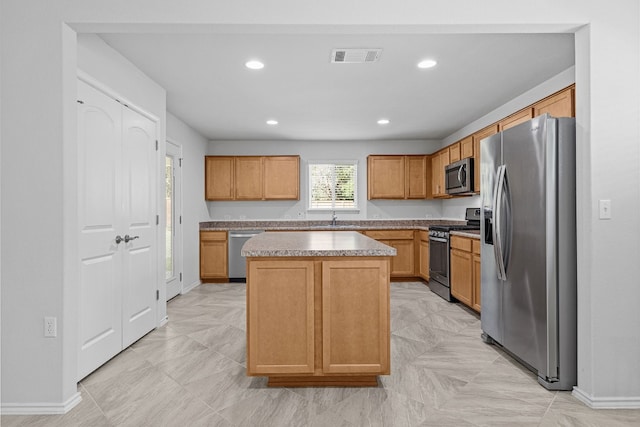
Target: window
{"x": 333, "y": 185}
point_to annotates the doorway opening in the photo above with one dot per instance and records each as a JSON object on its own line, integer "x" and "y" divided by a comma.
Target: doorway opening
{"x": 173, "y": 227}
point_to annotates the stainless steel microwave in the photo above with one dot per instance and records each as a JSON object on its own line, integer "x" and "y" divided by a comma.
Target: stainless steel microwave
{"x": 458, "y": 177}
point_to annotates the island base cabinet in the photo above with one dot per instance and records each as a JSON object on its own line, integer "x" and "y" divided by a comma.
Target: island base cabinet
{"x": 280, "y": 317}
{"x": 355, "y": 317}
{"x": 318, "y": 322}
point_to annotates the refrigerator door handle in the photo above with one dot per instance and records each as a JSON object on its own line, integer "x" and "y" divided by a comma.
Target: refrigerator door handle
{"x": 497, "y": 230}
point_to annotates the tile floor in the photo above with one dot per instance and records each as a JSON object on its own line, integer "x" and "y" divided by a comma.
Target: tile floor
{"x": 191, "y": 372}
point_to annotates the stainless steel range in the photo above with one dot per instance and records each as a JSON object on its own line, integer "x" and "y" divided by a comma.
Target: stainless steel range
{"x": 439, "y": 268}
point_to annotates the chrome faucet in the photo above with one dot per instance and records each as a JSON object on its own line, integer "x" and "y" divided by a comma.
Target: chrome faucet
{"x": 333, "y": 219}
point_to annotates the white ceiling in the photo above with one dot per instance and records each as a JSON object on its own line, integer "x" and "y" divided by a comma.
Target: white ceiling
{"x": 209, "y": 88}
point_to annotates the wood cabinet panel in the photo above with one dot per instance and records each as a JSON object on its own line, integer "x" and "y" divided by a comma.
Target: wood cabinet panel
{"x": 389, "y": 234}
{"x": 477, "y": 137}
{"x": 416, "y": 177}
{"x": 438, "y": 162}
{"x": 282, "y": 178}
{"x": 454, "y": 152}
{"x": 423, "y": 257}
{"x": 248, "y": 178}
{"x": 461, "y": 279}
{"x": 515, "y": 119}
{"x": 355, "y": 317}
{"x": 462, "y": 243}
{"x": 477, "y": 274}
{"x": 280, "y": 307}
{"x": 466, "y": 147}
{"x": 213, "y": 255}
{"x": 385, "y": 177}
{"x": 560, "y": 104}
{"x": 219, "y": 178}
{"x": 402, "y": 265}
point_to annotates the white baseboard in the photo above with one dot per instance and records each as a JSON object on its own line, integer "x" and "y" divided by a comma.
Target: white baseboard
{"x": 190, "y": 287}
{"x": 606, "y": 402}
{"x": 41, "y": 408}
{"x": 164, "y": 321}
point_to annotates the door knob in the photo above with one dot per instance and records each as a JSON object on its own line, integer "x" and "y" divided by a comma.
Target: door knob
{"x": 119, "y": 239}
{"x": 128, "y": 238}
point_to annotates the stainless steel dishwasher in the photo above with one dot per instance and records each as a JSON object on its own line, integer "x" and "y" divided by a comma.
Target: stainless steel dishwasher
{"x": 237, "y": 263}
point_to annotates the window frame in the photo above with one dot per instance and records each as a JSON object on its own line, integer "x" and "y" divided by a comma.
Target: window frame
{"x": 355, "y": 208}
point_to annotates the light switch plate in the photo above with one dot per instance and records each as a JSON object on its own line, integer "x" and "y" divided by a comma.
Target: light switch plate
{"x": 605, "y": 209}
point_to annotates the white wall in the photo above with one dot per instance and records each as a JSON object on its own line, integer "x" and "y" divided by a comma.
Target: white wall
{"x": 194, "y": 208}
{"x": 327, "y": 150}
{"x": 38, "y": 57}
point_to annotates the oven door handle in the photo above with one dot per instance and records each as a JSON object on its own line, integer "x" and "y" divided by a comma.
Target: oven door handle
{"x": 438, "y": 239}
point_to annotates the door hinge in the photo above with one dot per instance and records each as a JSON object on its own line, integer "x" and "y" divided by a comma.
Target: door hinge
{"x": 180, "y": 219}
{"x": 79, "y": 101}
{"x": 181, "y": 277}
{"x": 180, "y": 162}
{"x": 157, "y": 294}
{"x": 157, "y": 219}
{"x": 156, "y": 145}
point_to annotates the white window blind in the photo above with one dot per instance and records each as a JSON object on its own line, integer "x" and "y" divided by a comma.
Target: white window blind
{"x": 333, "y": 186}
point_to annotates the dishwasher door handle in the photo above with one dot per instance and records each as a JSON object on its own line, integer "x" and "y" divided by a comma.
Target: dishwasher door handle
{"x": 237, "y": 236}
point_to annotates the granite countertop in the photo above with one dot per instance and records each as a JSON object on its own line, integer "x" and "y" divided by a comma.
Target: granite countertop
{"x": 314, "y": 243}
{"x": 474, "y": 234}
{"x": 305, "y": 225}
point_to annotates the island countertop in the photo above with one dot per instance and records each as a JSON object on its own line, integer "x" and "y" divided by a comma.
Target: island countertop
{"x": 314, "y": 244}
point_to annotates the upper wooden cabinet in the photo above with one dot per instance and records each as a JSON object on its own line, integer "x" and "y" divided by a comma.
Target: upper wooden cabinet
{"x": 248, "y": 178}
{"x": 466, "y": 147}
{"x": 219, "y": 177}
{"x": 397, "y": 177}
{"x": 439, "y": 161}
{"x": 454, "y": 152}
{"x": 515, "y": 119}
{"x": 252, "y": 177}
{"x": 281, "y": 180}
{"x": 560, "y": 104}
{"x": 477, "y": 137}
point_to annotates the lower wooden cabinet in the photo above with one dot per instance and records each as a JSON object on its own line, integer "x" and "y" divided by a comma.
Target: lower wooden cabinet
{"x": 423, "y": 254}
{"x": 213, "y": 255}
{"x": 318, "y": 321}
{"x": 403, "y": 264}
{"x": 465, "y": 271}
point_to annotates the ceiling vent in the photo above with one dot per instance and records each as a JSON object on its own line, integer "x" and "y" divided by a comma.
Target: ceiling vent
{"x": 355, "y": 56}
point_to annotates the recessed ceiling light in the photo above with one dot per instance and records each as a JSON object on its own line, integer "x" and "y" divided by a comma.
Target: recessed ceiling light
{"x": 383, "y": 121}
{"x": 254, "y": 64}
{"x": 272, "y": 122}
{"x": 427, "y": 63}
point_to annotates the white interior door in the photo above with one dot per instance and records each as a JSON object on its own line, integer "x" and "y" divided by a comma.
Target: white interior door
{"x": 118, "y": 242}
{"x": 139, "y": 224}
{"x": 99, "y": 194}
{"x": 173, "y": 231}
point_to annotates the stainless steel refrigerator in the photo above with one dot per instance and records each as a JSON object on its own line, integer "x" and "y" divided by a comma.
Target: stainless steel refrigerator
{"x": 528, "y": 246}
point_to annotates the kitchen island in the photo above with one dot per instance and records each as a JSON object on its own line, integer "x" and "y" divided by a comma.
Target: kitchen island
{"x": 318, "y": 308}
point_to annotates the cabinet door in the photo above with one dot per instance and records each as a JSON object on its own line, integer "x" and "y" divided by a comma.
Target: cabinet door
{"x": 435, "y": 175}
{"x": 355, "y": 317}
{"x": 213, "y": 255}
{"x": 248, "y": 178}
{"x": 560, "y": 104}
{"x": 282, "y": 178}
{"x": 218, "y": 176}
{"x": 461, "y": 279}
{"x": 280, "y": 322}
{"x": 477, "y": 293}
{"x": 466, "y": 147}
{"x": 385, "y": 177}
{"x": 477, "y": 137}
{"x": 416, "y": 177}
{"x": 402, "y": 265}
{"x": 423, "y": 243}
{"x": 516, "y": 119}
{"x": 454, "y": 152}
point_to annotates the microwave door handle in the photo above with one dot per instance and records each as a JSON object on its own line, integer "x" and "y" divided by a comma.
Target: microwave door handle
{"x": 460, "y": 174}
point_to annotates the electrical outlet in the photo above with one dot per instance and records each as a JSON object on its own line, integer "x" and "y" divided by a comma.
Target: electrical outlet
{"x": 50, "y": 327}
